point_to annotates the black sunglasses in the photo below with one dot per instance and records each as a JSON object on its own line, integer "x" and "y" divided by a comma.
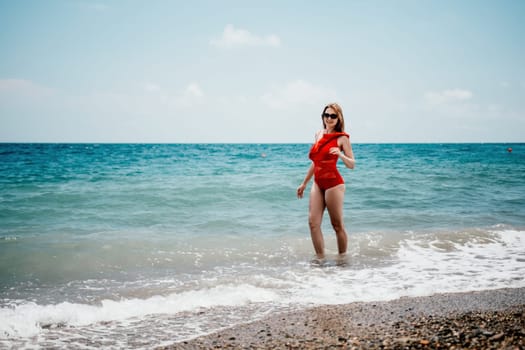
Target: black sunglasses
{"x": 331, "y": 116}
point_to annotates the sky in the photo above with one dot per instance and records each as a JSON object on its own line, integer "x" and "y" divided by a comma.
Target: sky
{"x": 261, "y": 71}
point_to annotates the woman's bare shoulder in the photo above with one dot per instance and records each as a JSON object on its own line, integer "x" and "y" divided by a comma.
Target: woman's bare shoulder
{"x": 343, "y": 139}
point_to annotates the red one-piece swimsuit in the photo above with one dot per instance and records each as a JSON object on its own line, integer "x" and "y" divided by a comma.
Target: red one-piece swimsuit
{"x": 326, "y": 174}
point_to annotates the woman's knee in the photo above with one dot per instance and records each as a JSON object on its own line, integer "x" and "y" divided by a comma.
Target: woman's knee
{"x": 314, "y": 223}
{"x": 338, "y": 225}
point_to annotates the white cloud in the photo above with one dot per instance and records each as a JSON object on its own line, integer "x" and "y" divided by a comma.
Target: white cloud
{"x": 193, "y": 90}
{"x": 22, "y": 87}
{"x": 448, "y": 96}
{"x": 232, "y": 37}
{"x": 191, "y": 96}
{"x": 151, "y": 87}
{"x": 298, "y": 92}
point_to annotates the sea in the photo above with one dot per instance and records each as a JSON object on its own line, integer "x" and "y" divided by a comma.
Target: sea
{"x": 142, "y": 245}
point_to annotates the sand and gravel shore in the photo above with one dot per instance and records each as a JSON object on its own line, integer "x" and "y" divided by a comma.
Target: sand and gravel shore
{"x": 492, "y": 319}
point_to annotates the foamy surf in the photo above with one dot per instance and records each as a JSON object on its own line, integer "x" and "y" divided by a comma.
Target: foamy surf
{"x": 28, "y": 319}
{"x": 381, "y": 266}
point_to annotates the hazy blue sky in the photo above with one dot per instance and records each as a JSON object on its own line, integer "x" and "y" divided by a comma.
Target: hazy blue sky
{"x": 261, "y": 71}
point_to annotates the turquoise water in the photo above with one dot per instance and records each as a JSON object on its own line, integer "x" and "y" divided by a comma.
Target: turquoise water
{"x": 89, "y": 232}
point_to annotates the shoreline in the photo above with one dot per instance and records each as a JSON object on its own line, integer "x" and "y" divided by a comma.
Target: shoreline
{"x": 488, "y": 319}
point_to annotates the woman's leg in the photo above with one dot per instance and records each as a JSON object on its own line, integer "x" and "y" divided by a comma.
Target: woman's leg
{"x": 315, "y": 217}
{"x": 334, "y": 198}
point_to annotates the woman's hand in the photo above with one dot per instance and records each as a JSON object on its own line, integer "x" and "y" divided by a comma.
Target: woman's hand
{"x": 349, "y": 161}
{"x": 300, "y": 190}
{"x": 336, "y": 151}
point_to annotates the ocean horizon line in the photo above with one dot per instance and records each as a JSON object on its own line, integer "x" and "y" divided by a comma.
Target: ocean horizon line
{"x": 257, "y": 143}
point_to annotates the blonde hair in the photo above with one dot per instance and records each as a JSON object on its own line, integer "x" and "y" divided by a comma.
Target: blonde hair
{"x": 340, "y": 126}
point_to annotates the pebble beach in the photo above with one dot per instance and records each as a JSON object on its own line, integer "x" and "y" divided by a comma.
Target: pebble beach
{"x": 491, "y": 319}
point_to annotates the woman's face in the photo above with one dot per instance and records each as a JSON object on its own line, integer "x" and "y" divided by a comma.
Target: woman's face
{"x": 328, "y": 118}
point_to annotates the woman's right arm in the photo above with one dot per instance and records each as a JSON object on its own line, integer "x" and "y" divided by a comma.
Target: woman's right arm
{"x": 302, "y": 187}
{"x": 310, "y": 172}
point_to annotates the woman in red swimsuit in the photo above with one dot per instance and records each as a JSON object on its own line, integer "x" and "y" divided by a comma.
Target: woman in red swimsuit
{"x": 328, "y": 189}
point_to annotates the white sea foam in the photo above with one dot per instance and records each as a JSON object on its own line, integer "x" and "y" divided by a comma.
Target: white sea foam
{"x": 28, "y": 319}
{"x": 420, "y": 268}
{"x": 416, "y": 265}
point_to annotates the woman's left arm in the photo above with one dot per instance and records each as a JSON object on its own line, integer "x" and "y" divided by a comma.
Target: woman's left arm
{"x": 347, "y": 155}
